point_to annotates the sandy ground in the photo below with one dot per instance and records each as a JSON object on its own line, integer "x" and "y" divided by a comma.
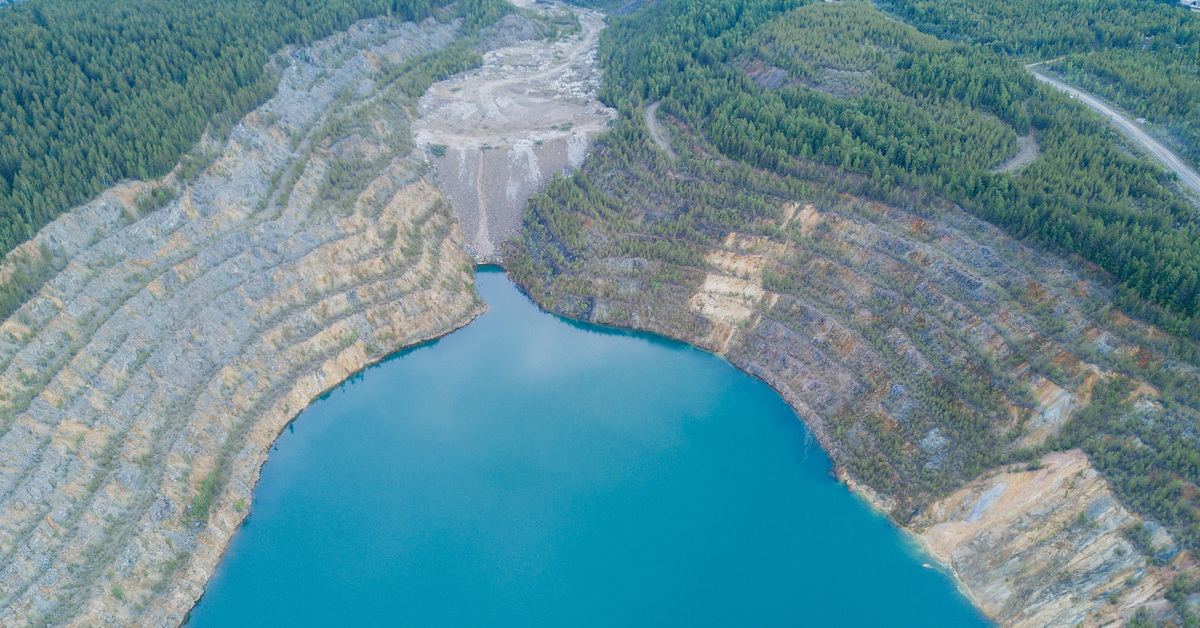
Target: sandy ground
{"x": 529, "y": 112}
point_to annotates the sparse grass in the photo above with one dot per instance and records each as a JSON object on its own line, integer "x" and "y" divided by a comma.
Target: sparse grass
{"x": 157, "y": 197}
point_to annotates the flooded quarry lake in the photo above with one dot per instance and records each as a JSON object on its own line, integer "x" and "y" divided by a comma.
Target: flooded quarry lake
{"x": 528, "y": 470}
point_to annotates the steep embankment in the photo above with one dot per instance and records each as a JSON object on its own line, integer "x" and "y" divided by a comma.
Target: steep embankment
{"x": 801, "y": 229}
{"x": 498, "y": 133}
{"x": 919, "y": 343}
{"x": 1044, "y": 546}
{"x": 145, "y": 382}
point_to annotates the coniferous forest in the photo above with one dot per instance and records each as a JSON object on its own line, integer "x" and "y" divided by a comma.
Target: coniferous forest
{"x": 96, "y": 91}
{"x": 1143, "y": 56}
{"x": 936, "y": 116}
{"x": 854, "y": 107}
{"x": 91, "y": 95}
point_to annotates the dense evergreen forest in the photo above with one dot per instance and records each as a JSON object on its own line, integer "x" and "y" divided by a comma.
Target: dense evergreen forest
{"x": 1086, "y": 195}
{"x": 1143, "y": 55}
{"x": 96, "y": 91}
{"x": 88, "y": 102}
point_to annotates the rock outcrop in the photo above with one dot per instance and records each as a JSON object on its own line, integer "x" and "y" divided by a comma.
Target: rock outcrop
{"x": 1044, "y": 546}
{"x": 497, "y": 134}
{"x": 920, "y": 344}
{"x": 144, "y": 383}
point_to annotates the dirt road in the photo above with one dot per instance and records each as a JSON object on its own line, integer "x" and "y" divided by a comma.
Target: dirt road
{"x": 656, "y": 131}
{"x": 532, "y": 90}
{"x": 1028, "y": 151}
{"x": 1187, "y": 175}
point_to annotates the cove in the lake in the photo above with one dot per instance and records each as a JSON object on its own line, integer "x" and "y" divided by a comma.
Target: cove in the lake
{"x": 528, "y": 470}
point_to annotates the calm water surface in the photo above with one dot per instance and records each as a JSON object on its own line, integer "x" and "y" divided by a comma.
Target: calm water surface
{"x": 526, "y": 470}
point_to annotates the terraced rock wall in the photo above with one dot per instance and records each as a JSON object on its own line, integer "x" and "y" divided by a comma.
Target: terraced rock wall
{"x": 145, "y": 382}
{"x": 497, "y": 134}
{"x": 1044, "y": 546}
{"x": 921, "y": 345}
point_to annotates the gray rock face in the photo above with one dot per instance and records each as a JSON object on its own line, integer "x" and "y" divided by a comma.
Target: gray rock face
{"x": 1044, "y": 547}
{"x": 860, "y": 314}
{"x": 144, "y": 383}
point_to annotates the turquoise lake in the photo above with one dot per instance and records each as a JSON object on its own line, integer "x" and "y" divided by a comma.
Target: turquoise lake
{"x": 531, "y": 471}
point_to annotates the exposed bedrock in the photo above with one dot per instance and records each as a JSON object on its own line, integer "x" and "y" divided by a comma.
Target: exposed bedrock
{"x": 918, "y": 343}
{"x": 1044, "y": 547}
{"x": 497, "y": 134}
{"x": 145, "y": 382}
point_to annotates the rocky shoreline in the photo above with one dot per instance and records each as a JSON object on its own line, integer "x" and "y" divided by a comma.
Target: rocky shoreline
{"x": 147, "y": 379}
{"x": 1010, "y": 541}
{"x": 857, "y": 313}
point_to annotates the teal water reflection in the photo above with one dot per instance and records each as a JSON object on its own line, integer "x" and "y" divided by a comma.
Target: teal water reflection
{"x": 526, "y": 470}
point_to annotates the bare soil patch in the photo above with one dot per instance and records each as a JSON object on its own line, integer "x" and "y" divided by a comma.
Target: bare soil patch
{"x": 504, "y": 129}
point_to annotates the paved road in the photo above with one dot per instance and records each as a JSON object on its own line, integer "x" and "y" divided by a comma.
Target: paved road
{"x": 1186, "y": 173}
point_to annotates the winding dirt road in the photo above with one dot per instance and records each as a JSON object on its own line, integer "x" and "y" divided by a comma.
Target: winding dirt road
{"x": 1187, "y": 175}
{"x": 1028, "y": 151}
{"x": 656, "y": 132}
